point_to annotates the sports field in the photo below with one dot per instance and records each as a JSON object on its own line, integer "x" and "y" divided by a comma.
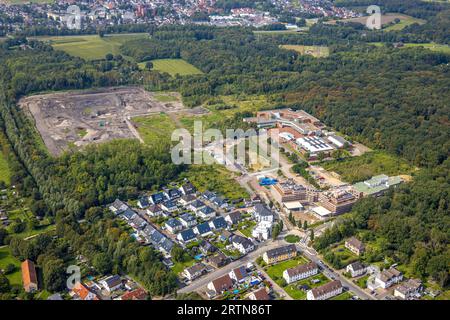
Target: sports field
{"x": 92, "y": 47}
{"x": 173, "y": 67}
{"x": 315, "y": 51}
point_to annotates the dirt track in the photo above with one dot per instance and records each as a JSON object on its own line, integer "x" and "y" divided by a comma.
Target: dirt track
{"x": 79, "y": 118}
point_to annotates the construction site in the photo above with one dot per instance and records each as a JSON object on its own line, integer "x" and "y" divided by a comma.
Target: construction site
{"x": 76, "y": 119}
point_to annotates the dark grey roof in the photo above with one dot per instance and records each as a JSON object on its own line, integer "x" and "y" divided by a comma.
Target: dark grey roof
{"x": 272, "y": 253}
{"x": 187, "y": 217}
{"x": 207, "y": 210}
{"x": 167, "y": 245}
{"x": 173, "y": 223}
{"x": 203, "y": 228}
{"x": 113, "y": 281}
{"x": 262, "y": 210}
{"x": 129, "y": 214}
{"x": 246, "y": 243}
{"x": 197, "y": 204}
{"x": 219, "y": 223}
{"x": 187, "y": 235}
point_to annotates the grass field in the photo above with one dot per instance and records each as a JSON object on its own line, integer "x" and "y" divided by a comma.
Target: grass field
{"x": 5, "y": 173}
{"x": 364, "y": 167}
{"x": 233, "y": 104}
{"x": 404, "y": 22}
{"x": 6, "y": 258}
{"x": 430, "y": 46}
{"x": 315, "y": 51}
{"x": 91, "y": 47}
{"x": 347, "y": 295}
{"x": 298, "y": 294}
{"x": 292, "y": 238}
{"x": 275, "y": 271}
{"x": 155, "y": 127}
{"x": 173, "y": 67}
{"x": 215, "y": 178}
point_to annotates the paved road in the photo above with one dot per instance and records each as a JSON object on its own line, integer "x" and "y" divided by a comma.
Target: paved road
{"x": 203, "y": 281}
{"x": 312, "y": 255}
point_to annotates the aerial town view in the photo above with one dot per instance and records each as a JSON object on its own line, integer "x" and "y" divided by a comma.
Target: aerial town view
{"x": 227, "y": 151}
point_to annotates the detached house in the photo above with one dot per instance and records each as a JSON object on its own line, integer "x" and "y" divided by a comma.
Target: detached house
{"x": 239, "y": 274}
{"x": 111, "y": 283}
{"x": 218, "y": 223}
{"x": 187, "y": 188}
{"x": 157, "y": 198}
{"x": 219, "y": 260}
{"x": 196, "y": 206}
{"x": 154, "y": 211}
{"x": 186, "y": 236}
{"x": 300, "y": 272}
{"x": 186, "y": 200}
{"x": 356, "y": 269}
{"x": 325, "y": 292}
{"x": 194, "y": 272}
{"x": 203, "y": 229}
{"x": 388, "y": 278}
{"x": 262, "y": 213}
{"x": 118, "y": 207}
{"x": 260, "y": 294}
{"x": 408, "y": 290}
{"x": 81, "y": 292}
{"x": 233, "y": 218}
{"x": 206, "y": 213}
{"x": 143, "y": 202}
{"x": 172, "y": 194}
{"x": 187, "y": 220}
{"x": 355, "y": 246}
{"x": 242, "y": 244}
{"x": 221, "y": 284}
{"x": 169, "y": 206}
{"x": 207, "y": 248}
{"x": 173, "y": 225}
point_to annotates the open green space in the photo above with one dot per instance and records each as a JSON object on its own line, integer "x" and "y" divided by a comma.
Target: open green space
{"x": 404, "y": 22}
{"x": 178, "y": 267}
{"x": 6, "y": 258}
{"x": 154, "y": 128}
{"x": 173, "y": 67}
{"x": 370, "y": 164}
{"x": 246, "y": 227}
{"x": 297, "y": 293}
{"x": 315, "y": 51}
{"x": 430, "y": 46}
{"x": 5, "y": 173}
{"x": 347, "y": 295}
{"x": 215, "y": 178}
{"x": 92, "y": 47}
{"x": 362, "y": 282}
{"x": 292, "y": 238}
{"x": 275, "y": 271}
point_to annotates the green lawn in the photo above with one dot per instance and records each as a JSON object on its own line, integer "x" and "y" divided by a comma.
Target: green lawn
{"x": 154, "y": 127}
{"x": 298, "y": 294}
{"x": 6, "y": 258}
{"x": 91, "y": 47}
{"x": 404, "y": 22}
{"x": 347, "y": 295}
{"x": 275, "y": 271}
{"x": 362, "y": 282}
{"x": 5, "y": 173}
{"x": 355, "y": 169}
{"x": 292, "y": 238}
{"x": 180, "y": 266}
{"x": 246, "y": 227}
{"x": 173, "y": 67}
{"x": 430, "y": 46}
{"x": 215, "y": 178}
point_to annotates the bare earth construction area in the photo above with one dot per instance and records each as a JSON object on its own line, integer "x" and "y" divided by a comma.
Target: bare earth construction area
{"x": 94, "y": 116}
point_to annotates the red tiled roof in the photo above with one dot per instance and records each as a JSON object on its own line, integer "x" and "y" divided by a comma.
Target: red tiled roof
{"x": 138, "y": 294}
{"x": 29, "y": 273}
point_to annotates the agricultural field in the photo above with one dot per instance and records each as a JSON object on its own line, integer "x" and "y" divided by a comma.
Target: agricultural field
{"x": 315, "y": 51}
{"x": 356, "y": 169}
{"x": 173, "y": 67}
{"x": 215, "y": 178}
{"x": 5, "y": 173}
{"x": 154, "y": 128}
{"x": 6, "y": 258}
{"x": 387, "y": 21}
{"x": 91, "y": 47}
